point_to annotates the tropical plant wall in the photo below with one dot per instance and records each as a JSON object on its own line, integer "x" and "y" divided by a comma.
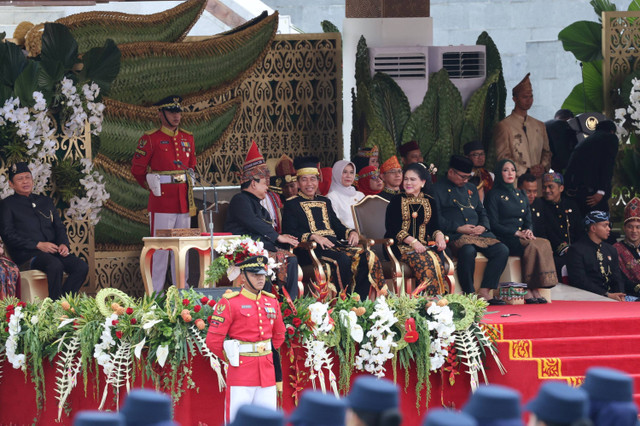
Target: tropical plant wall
{"x": 584, "y": 40}
{"x": 441, "y": 124}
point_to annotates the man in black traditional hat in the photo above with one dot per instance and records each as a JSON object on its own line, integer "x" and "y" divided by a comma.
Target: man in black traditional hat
{"x": 592, "y": 264}
{"x": 169, "y": 152}
{"x": 35, "y": 236}
{"x": 480, "y": 177}
{"x": 463, "y": 218}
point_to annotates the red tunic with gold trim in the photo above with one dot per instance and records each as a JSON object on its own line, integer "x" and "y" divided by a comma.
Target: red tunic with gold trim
{"x": 249, "y": 318}
{"x": 162, "y": 150}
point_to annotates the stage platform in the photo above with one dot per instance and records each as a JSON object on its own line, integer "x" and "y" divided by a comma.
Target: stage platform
{"x": 561, "y": 340}
{"x": 555, "y": 341}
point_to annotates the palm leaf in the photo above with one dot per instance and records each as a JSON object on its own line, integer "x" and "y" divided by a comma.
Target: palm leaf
{"x": 101, "y": 66}
{"x": 115, "y": 229}
{"x": 472, "y": 127}
{"x": 202, "y": 69}
{"x": 124, "y": 124}
{"x": 390, "y": 105}
{"x": 92, "y": 29}
{"x": 126, "y": 193}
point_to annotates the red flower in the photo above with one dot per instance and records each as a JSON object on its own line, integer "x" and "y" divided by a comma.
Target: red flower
{"x": 75, "y": 324}
{"x": 287, "y": 312}
{"x": 211, "y": 303}
{"x": 23, "y": 304}
{"x": 119, "y": 334}
{"x": 204, "y": 300}
{"x": 8, "y": 315}
{"x": 412, "y": 335}
{"x": 10, "y": 308}
{"x": 297, "y": 322}
{"x": 209, "y": 318}
{"x": 114, "y": 322}
{"x": 129, "y": 311}
{"x": 133, "y": 320}
{"x": 185, "y": 302}
{"x": 6, "y": 329}
{"x": 290, "y": 330}
{"x": 197, "y": 308}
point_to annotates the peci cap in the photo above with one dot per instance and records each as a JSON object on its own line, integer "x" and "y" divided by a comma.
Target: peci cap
{"x": 406, "y": 148}
{"x": 461, "y": 163}
{"x": 559, "y": 403}
{"x": 472, "y": 146}
{"x": 306, "y": 166}
{"x": 18, "y": 168}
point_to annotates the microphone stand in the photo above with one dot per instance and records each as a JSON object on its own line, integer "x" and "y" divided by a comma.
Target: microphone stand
{"x": 204, "y": 201}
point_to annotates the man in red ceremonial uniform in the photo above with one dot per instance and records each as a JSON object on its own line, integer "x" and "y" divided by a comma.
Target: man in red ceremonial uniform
{"x": 164, "y": 163}
{"x": 251, "y": 319}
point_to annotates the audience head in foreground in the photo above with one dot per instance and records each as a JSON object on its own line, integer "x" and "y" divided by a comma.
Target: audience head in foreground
{"x": 495, "y": 404}
{"x": 610, "y": 397}
{"x": 373, "y": 402}
{"x": 319, "y": 409}
{"x": 558, "y": 404}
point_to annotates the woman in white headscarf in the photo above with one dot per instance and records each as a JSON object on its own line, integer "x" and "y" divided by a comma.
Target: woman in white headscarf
{"x": 342, "y": 193}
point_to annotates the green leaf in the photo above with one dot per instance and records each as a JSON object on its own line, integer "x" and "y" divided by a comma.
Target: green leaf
{"x": 494, "y": 62}
{"x": 472, "y": 127}
{"x": 390, "y": 104}
{"x": 101, "y": 65}
{"x": 27, "y": 83}
{"x": 329, "y": 27}
{"x": 592, "y": 75}
{"x": 363, "y": 72}
{"x": 583, "y": 39}
{"x": 600, "y": 6}
{"x": 5, "y": 93}
{"x": 12, "y": 62}
{"x": 58, "y": 45}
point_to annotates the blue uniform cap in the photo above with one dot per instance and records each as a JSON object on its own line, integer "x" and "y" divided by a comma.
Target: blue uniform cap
{"x": 250, "y": 415}
{"x": 319, "y": 409}
{"x": 147, "y": 407}
{"x": 442, "y": 417}
{"x": 369, "y": 393}
{"x": 98, "y": 418}
{"x": 608, "y": 384}
{"x": 495, "y": 404}
{"x": 559, "y": 403}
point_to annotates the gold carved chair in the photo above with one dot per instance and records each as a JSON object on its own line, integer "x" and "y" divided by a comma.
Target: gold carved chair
{"x": 369, "y": 216}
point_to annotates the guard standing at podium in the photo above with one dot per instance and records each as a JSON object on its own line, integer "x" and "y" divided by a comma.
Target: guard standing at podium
{"x": 163, "y": 163}
{"x": 252, "y": 321}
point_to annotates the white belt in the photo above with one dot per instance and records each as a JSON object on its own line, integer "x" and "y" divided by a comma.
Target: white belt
{"x": 255, "y": 347}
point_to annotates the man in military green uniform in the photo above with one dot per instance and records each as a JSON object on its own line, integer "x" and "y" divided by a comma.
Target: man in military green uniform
{"x": 463, "y": 218}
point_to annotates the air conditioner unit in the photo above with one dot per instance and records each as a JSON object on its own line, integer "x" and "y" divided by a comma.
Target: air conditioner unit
{"x": 466, "y": 65}
{"x": 407, "y": 65}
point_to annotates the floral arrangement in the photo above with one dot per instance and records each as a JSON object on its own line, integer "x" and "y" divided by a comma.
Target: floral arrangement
{"x": 631, "y": 114}
{"x": 51, "y": 99}
{"x": 116, "y": 335}
{"x": 422, "y": 335}
{"x": 232, "y": 251}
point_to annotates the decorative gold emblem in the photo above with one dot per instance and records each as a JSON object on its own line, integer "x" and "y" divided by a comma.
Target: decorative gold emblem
{"x": 261, "y": 347}
{"x": 220, "y": 308}
{"x": 591, "y": 123}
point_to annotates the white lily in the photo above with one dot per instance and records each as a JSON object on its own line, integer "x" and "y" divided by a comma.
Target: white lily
{"x": 137, "y": 349}
{"x": 161, "y": 354}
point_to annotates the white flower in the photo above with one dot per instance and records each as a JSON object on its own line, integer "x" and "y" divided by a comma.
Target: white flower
{"x": 137, "y": 349}
{"x": 161, "y": 354}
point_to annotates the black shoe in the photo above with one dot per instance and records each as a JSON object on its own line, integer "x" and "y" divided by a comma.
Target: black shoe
{"x": 541, "y": 300}
{"x": 496, "y": 302}
{"x": 532, "y": 301}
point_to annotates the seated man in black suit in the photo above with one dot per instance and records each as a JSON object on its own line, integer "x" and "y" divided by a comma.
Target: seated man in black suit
{"x": 35, "y": 235}
{"x": 592, "y": 263}
{"x": 529, "y": 185}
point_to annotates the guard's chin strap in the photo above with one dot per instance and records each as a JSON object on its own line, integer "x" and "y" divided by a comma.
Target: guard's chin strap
{"x": 246, "y": 277}
{"x": 164, "y": 114}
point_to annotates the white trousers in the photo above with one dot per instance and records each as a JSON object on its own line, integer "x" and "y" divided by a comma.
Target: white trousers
{"x": 160, "y": 257}
{"x": 237, "y": 396}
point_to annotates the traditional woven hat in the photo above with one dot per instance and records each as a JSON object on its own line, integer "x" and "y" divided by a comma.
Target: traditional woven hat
{"x": 523, "y": 86}
{"x": 285, "y": 169}
{"x": 632, "y": 210}
{"x": 408, "y": 147}
{"x": 595, "y": 216}
{"x": 170, "y": 103}
{"x": 553, "y": 177}
{"x": 391, "y": 163}
{"x": 254, "y": 166}
{"x": 368, "y": 152}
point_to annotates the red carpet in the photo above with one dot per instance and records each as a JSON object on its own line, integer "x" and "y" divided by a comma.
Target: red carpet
{"x": 561, "y": 340}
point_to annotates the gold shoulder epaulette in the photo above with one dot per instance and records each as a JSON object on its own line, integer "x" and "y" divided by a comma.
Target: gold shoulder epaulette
{"x": 291, "y": 198}
{"x": 186, "y": 131}
{"x": 150, "y": 132}
{"x": 230, "y": 294}
{"x": 266, "y": 293}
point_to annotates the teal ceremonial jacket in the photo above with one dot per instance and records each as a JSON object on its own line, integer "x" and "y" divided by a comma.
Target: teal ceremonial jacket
{"x": 459, "y": 206}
